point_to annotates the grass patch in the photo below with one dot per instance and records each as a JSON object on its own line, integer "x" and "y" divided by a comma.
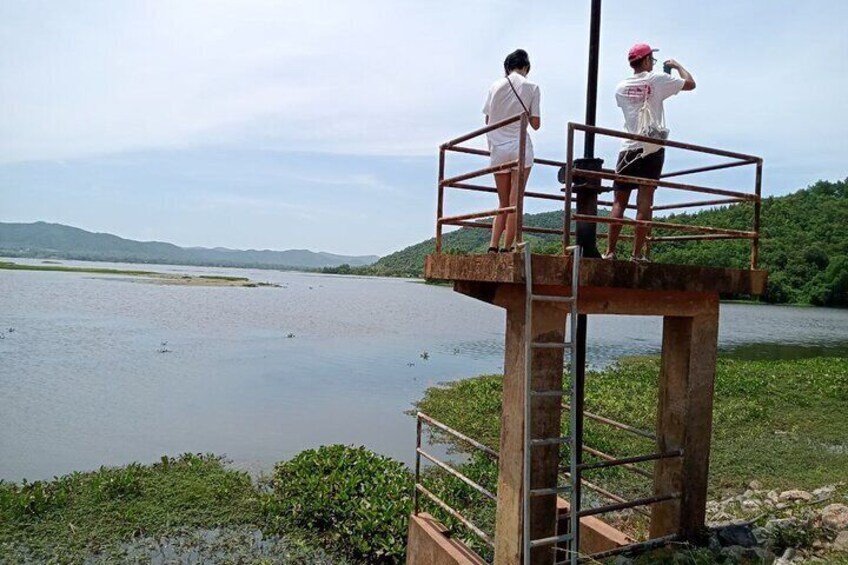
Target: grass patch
{"x": 222, "y": 278}
{"x": 780, "y": 422}
{"x": 66, "y": 519}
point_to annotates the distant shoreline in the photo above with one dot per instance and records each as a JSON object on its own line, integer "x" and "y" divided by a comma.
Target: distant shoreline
{"x": 146, "y": 276}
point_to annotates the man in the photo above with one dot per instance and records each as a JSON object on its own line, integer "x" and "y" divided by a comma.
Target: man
{"x": 640, "y": 98}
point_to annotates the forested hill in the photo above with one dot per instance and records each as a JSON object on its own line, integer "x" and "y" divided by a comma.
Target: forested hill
{"x": 804, "y": 244}
{"x": 41, "y": 239}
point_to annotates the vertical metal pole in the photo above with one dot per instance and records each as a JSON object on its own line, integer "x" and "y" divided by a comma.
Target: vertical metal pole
{"x": 522, "y": 173}
{"x": 569, "y": 165}
{"x": 440, "y": 200}
{"x": 417, "y": 463}
{"x": 576, "y": 417}
{"x": 592, "y": 83}
{"x": 586, "y": 246}
{"x": 755, "y": 243}
{"x": 587, "y": 190}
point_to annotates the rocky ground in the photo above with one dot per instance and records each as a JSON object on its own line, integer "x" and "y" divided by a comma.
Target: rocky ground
{"x": 792, "y": 526}
{"x": 771, "y": 527}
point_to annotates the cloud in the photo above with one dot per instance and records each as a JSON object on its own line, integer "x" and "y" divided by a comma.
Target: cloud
{"x": 340, "y": 106}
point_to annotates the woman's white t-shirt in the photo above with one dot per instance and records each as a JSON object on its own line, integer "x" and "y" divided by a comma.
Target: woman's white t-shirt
{"x": 501, "y": 103}
{"x": 630, "y": 95}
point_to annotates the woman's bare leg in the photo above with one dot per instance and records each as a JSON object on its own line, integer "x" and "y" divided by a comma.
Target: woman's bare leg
{"x": 503, "y": 182}
{"x": 511, "y": 221}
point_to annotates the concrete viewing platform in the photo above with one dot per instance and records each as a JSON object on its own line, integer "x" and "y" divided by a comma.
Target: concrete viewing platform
{"x": 546, "y": 330}
{"x": 687, "y": 298}
{"x": 475, "y": 274}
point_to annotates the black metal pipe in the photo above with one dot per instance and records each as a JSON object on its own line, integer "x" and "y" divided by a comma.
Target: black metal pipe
{"x": 587, "y": 199}
{"x": 592, "y": 82}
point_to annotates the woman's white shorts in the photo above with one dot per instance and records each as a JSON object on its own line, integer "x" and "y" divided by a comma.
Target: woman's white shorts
{"x": 505, "y": 152}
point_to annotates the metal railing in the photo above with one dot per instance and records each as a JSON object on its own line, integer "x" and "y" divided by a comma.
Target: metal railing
{"x": 693, "y": 232}
{"x": 700, "y": 232}
{"x": 421, "y": 419}
{"x": 459, "y": 182}
{"x": 619, "y": 502}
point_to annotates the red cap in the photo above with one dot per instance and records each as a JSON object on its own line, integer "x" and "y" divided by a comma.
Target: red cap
{"x": 639, "y": 50}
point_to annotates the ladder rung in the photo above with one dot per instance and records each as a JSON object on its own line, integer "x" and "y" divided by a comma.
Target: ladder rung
{"x": 550, "y": 441}
{"x": 550, "y": 541}
{"x": 549, "y": 392}
{"x": 551, "y": 490}
{"x": 551, "y": 345}
{"x": 552, "y": 298}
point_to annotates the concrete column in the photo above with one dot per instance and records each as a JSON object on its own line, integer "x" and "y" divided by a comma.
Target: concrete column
{"x": 547, "y": 370}
{"x": 684, "y": 421}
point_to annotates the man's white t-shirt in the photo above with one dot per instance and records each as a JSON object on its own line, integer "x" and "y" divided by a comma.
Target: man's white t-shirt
{"x": 501, "y": 103}
{"x": 630, "y": 95}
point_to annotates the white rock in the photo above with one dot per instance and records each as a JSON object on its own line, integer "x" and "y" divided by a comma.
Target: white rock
{"x": 749, "y": 494}
{"x": 795, "y": 495}
{"x": 824, "y": 491}
{"x": 773, "y": 496}
{"x": 755, "y": 485}
{"x": 835, "y": 516}
{"x": 750, "y": 505}
{"x": 787, "y": 558}
{"x": 841, "y": 541}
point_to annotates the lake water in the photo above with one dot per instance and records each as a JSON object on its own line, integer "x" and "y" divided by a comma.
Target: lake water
{"x": 84, "y": 381}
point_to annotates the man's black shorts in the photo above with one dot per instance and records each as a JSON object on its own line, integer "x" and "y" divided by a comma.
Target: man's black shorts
{"x": 631, "y": 164}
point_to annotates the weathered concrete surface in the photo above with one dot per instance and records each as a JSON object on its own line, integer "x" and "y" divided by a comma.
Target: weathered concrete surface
{"x": 556, "y": 270}
{"x": 428, "y": 545}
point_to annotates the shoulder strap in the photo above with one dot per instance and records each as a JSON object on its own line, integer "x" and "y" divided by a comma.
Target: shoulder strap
{"x": 520, "y": 101}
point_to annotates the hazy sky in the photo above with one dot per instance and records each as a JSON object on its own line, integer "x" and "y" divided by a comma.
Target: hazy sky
{"x": 315, "y": 124}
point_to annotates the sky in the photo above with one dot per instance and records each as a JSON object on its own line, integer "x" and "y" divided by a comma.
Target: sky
{"x": 316, "y": 124}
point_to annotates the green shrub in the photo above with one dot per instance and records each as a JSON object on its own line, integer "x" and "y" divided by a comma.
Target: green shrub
{"x": 349, "y": 495}
{"x": 121, "y": 482}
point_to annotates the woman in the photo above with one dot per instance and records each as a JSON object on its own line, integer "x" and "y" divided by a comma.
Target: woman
{"x": 508, "y": 96}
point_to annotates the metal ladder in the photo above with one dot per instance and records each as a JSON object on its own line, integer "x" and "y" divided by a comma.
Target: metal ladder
{"x": 571, "y": 538}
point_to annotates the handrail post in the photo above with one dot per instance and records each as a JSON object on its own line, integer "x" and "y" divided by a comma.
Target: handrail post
{"x": 417, "y": 464}
{"x": 755, "y": 241}
{"x": 440, "y": 201}
{"x": 569, "y": 165}
{"x": 519, "y": 179}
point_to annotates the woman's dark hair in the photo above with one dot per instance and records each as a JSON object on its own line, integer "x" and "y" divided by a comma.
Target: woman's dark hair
{"x": 518, "y": 59}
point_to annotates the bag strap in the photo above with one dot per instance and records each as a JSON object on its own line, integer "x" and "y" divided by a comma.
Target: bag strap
{"x": 520, "y": 101}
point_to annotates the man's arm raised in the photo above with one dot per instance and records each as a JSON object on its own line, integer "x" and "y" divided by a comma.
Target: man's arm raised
{"x": 689, "y": 83}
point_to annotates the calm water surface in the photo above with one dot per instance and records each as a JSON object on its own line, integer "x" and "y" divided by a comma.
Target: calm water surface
{"x": 83, "y": 381}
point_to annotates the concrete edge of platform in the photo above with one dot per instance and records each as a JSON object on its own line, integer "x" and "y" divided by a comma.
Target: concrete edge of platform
{"x": 429, "y": 544}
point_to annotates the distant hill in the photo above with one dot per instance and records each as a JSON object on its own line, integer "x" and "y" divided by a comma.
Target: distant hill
{"x": 804, "y": 244}
{"x": 41, "y": 239}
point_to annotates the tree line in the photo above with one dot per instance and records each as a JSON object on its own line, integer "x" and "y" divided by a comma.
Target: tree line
{"x": 803, "y": 244}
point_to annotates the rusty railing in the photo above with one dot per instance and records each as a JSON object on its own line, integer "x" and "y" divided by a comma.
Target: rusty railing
{"x": 696, "y": 232}
{"x": 565, "y": 194}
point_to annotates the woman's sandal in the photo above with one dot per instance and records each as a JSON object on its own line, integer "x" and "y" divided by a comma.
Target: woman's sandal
{"x": 492, "y": 250}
